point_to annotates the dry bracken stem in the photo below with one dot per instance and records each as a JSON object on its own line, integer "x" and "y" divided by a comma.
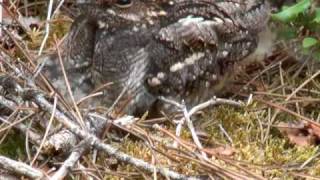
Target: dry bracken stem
{"x": 117, "y": 100}
{"x": 58, "y": 7}
{"x": 39, "y": 99}
{"x": 88, "y": 97}
{"x": 15, "y": 123}
{"x": 311, "y": 121}
{"x": 96, "y": 143}
{"x": 47, "y": 129}
{"x": 288, "y": 98}
{"x": 224, "y": 132}
{"x": 1, "y": 23}
{"x": 47, "y": 28}
{"x": 303, "y": 165}
{"x": 34, "y": 137}
{"x": 81, "y": 122}
{"x": 27, "y": 146}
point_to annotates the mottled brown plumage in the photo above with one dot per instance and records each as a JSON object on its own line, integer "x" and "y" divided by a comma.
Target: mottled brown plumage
{"x": 179, "y": 49}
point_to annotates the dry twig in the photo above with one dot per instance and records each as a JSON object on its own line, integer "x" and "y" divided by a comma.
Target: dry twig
{"x": 199, "y": 107}
{"x": 71, "y": 161}
{"x": 37, "y": 97}
{"x": 20, "y": 168}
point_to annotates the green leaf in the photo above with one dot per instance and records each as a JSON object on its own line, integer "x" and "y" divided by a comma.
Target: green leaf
{"x": 287, "y": 32}
{"x": 317, "y": 18}
{"x": 309, "y": 42}
{"x": 317, "y": 56}
{"x": 292, "y": 12}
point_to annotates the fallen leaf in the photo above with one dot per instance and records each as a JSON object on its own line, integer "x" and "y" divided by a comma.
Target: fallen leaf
{"x": 298, "y": 133}
{"x": 301, "y": 140}
{"x": 222, "y": 151}
{"x": 315, "y": 129}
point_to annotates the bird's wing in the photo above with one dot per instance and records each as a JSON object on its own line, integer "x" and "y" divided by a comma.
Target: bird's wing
{"x": 193, "y": 22}
{"x": 190, "y": 31}
{"x": 199, "y": 43}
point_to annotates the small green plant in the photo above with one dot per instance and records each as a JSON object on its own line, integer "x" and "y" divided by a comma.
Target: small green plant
{"x": 301, "y": 21}
{"x": 13, "y": 146}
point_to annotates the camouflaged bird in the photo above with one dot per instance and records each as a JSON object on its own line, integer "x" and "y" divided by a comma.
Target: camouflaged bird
{"x": 179, "y": 49}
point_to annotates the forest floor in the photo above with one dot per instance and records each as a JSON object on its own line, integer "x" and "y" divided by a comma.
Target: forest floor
{"x": 274, "y": 134}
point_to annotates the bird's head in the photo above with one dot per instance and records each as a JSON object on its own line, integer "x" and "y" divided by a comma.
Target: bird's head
{"x": 121, "y": 12}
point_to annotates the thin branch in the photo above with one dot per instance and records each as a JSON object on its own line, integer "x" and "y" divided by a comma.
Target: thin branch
{"x": 287, "y": 99}
{"x": 47, "y": 130}
{"x": 96, "y": 143}
{"x": 20, "y": 168}
{"x": 187, "y": 115}
{"x": 38, "y": 98}
{"x": 66, "y": 80}
{"x": 1, "y": 22}
{"x": 47, "y": 28}
{"x": 71, "y": 161}
{"x": 224, "y": 132}
{"x": 193, "y": 132}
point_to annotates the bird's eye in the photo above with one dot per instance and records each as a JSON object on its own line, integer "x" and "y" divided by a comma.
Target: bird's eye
{"x": 123, "y": 3}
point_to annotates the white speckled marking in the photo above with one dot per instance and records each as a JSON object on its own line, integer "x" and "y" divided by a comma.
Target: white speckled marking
{"x": 160, "y": 75}
{"x": 245, "y": 52}
{"x": 154, "y": 81}
{"x": 102, "y": 24}
{"x": 190, "y": 19}
{"x": 112, "y": 12}
{"x": 135, "y": 29}
{"x": 218, "y": 20}
{"x": 193, "y": 58}
{"x": 225, "y": 53}
{"x": 214, "y": 77}
{"x": 177, "y": 66}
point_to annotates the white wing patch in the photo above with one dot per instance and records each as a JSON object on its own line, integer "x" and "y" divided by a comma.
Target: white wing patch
{"x": 177, "y": 66}
{"x": 192, "y": 59}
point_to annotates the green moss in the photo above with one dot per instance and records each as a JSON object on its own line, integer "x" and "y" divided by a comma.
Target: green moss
{"x": 58, "y": 29}
{"x": 13, "y": 146}
{"x": 239, "y": 125}
{"x": 276, "y": 153}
